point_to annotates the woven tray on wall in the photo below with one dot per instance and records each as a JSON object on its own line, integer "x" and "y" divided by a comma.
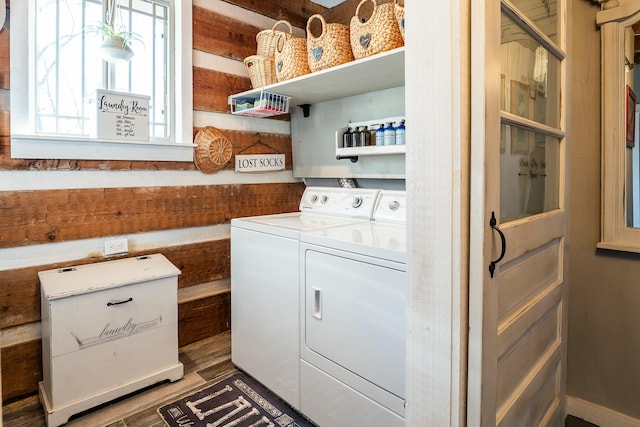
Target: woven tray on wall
{"x": 213, "y": 150}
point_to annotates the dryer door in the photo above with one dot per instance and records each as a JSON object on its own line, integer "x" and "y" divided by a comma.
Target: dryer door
{"x": 355, "y": 316}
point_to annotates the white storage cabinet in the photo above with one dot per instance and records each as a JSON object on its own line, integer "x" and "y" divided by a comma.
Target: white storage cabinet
{"x": 107, "y": 329}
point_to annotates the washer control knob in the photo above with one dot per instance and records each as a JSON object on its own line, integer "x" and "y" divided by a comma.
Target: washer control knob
{"x": 324, "y": 199}
{"x": 394, "y": 205}
{"x": 357, "y": 202}
{"x": 314, "y": 198}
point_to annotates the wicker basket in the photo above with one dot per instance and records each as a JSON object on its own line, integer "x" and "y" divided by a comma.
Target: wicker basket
{"x": 262, "y": 70}
{"x": 267, "y": 39}
{"x": 377, "y": 34}
{"x": 213, "y": 150}
{"x": 399, "y": 10}
{"x": 331, "y": 48}
{"x": 291, "y": 58}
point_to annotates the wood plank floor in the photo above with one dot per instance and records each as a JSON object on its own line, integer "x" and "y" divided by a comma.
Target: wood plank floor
{"x": 205, "y": 362}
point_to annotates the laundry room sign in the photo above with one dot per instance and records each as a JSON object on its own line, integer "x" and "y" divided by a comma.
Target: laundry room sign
{"x": 122, "y": 116}
{"x": 259, "y": 163}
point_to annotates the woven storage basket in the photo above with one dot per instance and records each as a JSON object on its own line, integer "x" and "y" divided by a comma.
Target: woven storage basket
{"x": 213, "y": 150}
{"x": 267, "y": 39}
{"x": 332, "y": 47}
{"x": 291, "y": 58}
{"x": 262, "y": 70}
{"x": 377, "y": 34}
{"x": 399, "y": 10}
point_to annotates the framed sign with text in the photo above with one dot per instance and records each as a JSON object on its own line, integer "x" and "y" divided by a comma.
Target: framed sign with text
{"x": 122, "y": 116}
{"x": 259, "y": 162}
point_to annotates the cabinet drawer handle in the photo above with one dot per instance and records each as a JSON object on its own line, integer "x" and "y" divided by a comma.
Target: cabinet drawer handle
{"x": 109, "y": 304}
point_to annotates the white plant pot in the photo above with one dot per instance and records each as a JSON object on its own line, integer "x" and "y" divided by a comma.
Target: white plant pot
{"x": 114, "y": 50}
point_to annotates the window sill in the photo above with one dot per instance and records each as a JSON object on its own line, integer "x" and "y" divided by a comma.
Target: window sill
{"x": 619, "y": 246}
{"x": 37, "y": 147}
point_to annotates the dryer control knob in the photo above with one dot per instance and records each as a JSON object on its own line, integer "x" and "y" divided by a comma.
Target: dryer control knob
{"x": 314, "y": 198}
{"x": 357, "y": 202}
{"x": 324, "y": 200}
{"x": 394, "y": 206}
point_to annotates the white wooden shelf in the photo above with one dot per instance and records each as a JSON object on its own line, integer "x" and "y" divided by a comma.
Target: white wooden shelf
{"x": 377, "y": 72}
{"x": 370, "y": 150}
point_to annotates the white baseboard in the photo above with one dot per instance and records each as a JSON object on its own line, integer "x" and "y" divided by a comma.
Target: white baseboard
{"x": 599, "y": 415}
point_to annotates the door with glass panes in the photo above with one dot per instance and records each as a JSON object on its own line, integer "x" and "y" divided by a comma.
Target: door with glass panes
{"x": 517, "y": 295}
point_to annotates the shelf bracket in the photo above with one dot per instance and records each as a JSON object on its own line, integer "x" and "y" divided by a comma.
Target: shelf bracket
{"x": 305, "y": 109}
{"x": 353, "y": 159}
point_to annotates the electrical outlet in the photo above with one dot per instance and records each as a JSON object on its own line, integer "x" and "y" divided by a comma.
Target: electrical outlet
{"x": 119, "y": 245}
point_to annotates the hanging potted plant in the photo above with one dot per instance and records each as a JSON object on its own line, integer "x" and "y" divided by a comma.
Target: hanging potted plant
{"x": 116, "y": 40}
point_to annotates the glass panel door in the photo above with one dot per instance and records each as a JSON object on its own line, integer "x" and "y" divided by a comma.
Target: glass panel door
{"x": 530, "y": 116}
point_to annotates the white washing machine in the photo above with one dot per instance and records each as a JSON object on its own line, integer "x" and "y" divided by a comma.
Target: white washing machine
{"x": 352, "y": 336}
{"x": 265, "y": 295}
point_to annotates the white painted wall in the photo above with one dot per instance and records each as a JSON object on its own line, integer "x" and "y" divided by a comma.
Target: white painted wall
{"x": 436, "y": 106}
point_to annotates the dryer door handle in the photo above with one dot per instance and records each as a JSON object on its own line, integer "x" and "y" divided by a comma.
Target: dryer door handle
{"x": 317, "y": 303}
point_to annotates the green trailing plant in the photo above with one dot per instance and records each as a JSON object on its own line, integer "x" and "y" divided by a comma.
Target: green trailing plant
{"x": 107, "y": 30}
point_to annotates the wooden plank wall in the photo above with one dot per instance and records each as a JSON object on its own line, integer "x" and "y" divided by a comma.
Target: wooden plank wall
{"x": 71, "y": 215}
{"x": 186, "y": 217}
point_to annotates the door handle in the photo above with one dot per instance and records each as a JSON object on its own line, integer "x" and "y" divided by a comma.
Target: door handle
{"x": 493, "y": 224}
{"x": 317, "y": 303}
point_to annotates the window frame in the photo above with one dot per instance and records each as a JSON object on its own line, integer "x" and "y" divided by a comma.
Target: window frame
{"x": 615, "y": 234}
{"x": 26, "y": 144}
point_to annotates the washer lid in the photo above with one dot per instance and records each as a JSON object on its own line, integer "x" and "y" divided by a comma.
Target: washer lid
{"x": 289, "y": 224}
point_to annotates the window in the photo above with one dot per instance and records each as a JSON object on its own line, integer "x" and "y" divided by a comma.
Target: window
{"x": 57, "y": 65}
{"x": 531, "y": 135}
{"x": 619, "y": 230}
{"x": 69, "y": 64}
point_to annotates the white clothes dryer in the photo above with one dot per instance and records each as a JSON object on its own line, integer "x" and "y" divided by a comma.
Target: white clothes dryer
{"x": 352, "y": 335}
{"x": 264, "y": 283}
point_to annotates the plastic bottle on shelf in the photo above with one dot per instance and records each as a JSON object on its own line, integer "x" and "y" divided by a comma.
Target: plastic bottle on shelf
{"x": 400, "y": 137}
{"x": 365, "y": 136}
{"x": 346, "y": 138}
{"x": 380, "y": 135}
{"x": 389, "y": 134}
